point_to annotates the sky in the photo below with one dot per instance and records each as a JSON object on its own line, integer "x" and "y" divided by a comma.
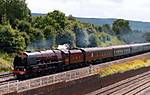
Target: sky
{"x": 138, "y": 10}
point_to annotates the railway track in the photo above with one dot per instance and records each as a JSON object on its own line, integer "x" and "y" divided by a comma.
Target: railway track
{"x": 6, "y": 77}
{"x": 132, "y": 86}
{"x": 5, "y": 74}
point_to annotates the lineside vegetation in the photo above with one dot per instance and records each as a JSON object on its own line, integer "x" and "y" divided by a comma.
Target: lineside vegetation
{"x": 123, "y": 67}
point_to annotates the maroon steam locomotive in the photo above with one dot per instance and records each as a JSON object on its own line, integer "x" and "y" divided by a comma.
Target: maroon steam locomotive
{"x": 35, "y": 64}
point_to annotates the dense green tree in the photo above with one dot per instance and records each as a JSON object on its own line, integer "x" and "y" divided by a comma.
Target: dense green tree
{"x": 11, "y": 40}
{"x": 121, "y": 26}
{"x": 36, "y": 34}
{"x": 23, "y": 26}
{"x": 50, "y": 30}
{"x": 14, "y": 9}
{"x": 26, "y": 37}
{"x": 58, "y": 18}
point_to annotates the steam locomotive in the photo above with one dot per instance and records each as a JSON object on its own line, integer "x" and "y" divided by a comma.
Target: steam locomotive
{"x": 33, "y": 64}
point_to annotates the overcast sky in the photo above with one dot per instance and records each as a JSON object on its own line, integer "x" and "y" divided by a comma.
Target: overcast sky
{"x": 126, "y": 9}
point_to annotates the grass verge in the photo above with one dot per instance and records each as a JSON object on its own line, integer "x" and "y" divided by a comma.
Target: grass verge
{"x": 123, "y": 67}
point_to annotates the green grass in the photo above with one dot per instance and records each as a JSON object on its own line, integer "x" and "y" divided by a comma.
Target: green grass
{"x": 6, "y": 61}
{"x": 123, "y": 67}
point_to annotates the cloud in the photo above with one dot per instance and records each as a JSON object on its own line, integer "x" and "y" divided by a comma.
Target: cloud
{"x": 116, "y": 1}
{"x": 126, "y": 9}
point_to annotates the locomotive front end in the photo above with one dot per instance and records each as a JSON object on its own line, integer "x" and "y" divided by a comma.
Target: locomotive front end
{"x": 20, "y": 62}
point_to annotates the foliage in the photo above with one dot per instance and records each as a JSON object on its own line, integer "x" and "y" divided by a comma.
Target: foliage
{"x": 11, "y": 40}
{"x": 14, "y": 9}
{"x": 23, "y": 26}
{"x": 55, "y": 28}
{"x": 121, "y": 26}
{"x": 107, "y": 29}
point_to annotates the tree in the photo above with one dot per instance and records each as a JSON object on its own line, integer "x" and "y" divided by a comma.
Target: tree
{"x": 107, "y": 29}
{"x": 14, "y": 9}
{"x": 26, "y": 37}
{"x": 36, "y": 34}
{"x": 11, "y": 40}
{"x": 23, "y": 26}
{"x": 121, "y": 26}
{"x": 58, "y": 18}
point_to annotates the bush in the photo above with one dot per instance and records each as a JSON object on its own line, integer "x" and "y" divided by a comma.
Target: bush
{"x": 11, "y": 40}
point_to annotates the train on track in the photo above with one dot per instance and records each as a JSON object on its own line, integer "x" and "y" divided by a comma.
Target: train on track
{"x": 33, "y": 64}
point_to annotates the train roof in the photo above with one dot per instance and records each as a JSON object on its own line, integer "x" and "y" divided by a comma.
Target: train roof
{"x": 140, "y": 44}
{"x": 96, "y": 48}
{"x": 75, "y": 51}
{"x": 39, "y": 53}
{"x": 121, "y": 46}
{"x": 129, "y": 45}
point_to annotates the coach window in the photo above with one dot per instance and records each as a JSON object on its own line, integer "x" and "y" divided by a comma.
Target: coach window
{"x": 102, "y": 52}
{"x": 109, "y": 52}
{"x": 105, "y": 52}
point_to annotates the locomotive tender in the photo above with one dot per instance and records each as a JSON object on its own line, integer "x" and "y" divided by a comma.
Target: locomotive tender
{"x": 50, "y": 61}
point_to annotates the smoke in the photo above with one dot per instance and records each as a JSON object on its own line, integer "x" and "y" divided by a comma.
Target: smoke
{"x": 82, "y": 38}
{"x": 63, "y": 47}
{"x": 133, "y": 37}
{"x": 40, "y": 45}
